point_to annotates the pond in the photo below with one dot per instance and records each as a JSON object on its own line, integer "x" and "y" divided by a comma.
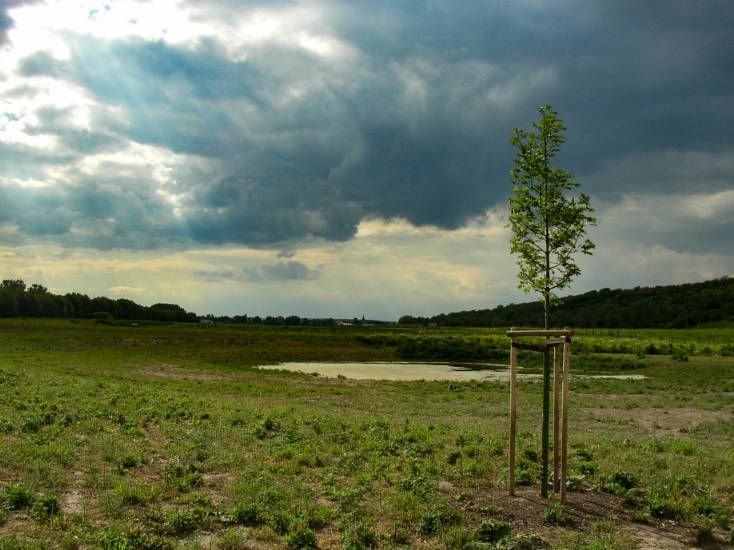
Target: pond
{"x": 423, "y": 371}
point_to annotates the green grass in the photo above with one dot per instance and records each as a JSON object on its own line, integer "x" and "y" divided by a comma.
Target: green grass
{"x": 165, "y": 436}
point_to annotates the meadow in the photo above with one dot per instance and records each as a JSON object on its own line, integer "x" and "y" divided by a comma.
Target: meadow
{"x": 165, "y": 436}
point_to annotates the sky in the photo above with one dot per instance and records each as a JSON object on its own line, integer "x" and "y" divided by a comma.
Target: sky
{"x": 337, "y": 158}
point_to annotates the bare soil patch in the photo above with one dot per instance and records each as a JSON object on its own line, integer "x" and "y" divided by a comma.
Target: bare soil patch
{"x": 662, "y": 421}
{"x": 524, "y": 512}
{"x": 170, "y": 371}
{"x": 72, "y": 500}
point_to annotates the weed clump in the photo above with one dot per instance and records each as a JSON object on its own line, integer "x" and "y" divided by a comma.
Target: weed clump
{"x": 34, "y": 422}
{"x": 128, "y": 462}
{"x": 45, "y": 508}
{"x": 453, "y": 457}
{"x": 493, "y": 530}
{"x": 265, "y": 427}
{"x": 704, "y": 530}
{"x": 359, "y": 536}
{"x": 557, "y": 514}
{"x": 135, "y": 495}
{"x": 619, "y": 483}
{"x": 114, "y": 539}
{"x": 439, "y": 516}
{"x": 185, "y": 520}
{"x": 17, "y": 497}
{"x": 301, "y": 538}
{"x": 248, "y": 514}
{"x": 230, "y": 539}
{"x": 665, "y": 507}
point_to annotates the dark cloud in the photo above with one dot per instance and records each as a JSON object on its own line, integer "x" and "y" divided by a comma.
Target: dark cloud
{"x": 415, "y": 126}
{"x": 5, "y": 24}
{"x": 282, "y": 271}
{"x": 58, "y": 122}
{"x": 105, "y": 213}
{"x": 6, "y": 21}
{"x": 698, "y": 223}
{"x": 290, "y": 270}
{"x": 215, "y": 276}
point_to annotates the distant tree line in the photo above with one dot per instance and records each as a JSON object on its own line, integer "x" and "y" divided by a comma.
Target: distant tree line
{"x": 709, "y": 303}
{"x": 19, "y": 300}
{"x": 290, "y": 320}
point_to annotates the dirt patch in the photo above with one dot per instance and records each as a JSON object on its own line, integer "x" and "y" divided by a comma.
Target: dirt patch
{"x": 72, "y": 500}
{"x": 661, "y": 421}
{"x": 524, "y": 512}
{"x": 651, "y": 538}
{"x": 170, "y": 371}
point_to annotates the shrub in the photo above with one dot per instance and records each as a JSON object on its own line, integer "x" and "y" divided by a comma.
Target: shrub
{"x": 439, "y": 516}
{"x": 493, "y": 530}
{"x": 707, "y": 506}
{"x": 453, "y": 457}
{"x": 399, "y": 535}
{"x": 359, "y": 536}
{"x": 557, "y": 514}
{"x": 704, "y": 530}
{"x": 301, "y": 537}
{"x": 184, "y": 520}
{"x": 45, "y": 508}
{"x": 531, "y": 455}
{"x": 652, "y": 349}
{"x": 523, "y": 477}
{"x": 248, "y": 514}
{"x": 16, "y": 497}
{"x": 34, "y": 422}
{"x": 280, "y": 522}
{"x": 416, "y": 484}
{"x": 265, "y": 427}
{"x": 231, "y": 540}
{"x": 665, "y": 507}
{"x": 575, "y": 482}
{"x": 128, "y": 462}
{"x": 133, "y": 539}
{"x": 134, "y": 495}
{"x": 189, "y": 481}
{"x": 583, "y": 455}
{"x": 619, "y": 483}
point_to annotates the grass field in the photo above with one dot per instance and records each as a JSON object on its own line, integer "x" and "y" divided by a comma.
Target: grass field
{"x": 165, "y": 436}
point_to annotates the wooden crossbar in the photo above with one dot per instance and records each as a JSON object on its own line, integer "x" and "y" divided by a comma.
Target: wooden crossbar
{"x": 553, "y": 333}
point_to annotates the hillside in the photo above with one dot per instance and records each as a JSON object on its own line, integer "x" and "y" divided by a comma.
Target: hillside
{"x": 674, "y": 306}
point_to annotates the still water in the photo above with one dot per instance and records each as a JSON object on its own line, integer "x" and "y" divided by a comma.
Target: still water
{"x": 421, "y": 371}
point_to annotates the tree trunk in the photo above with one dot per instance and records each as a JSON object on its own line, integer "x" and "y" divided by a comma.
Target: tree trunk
{"x": 545, "y": 432}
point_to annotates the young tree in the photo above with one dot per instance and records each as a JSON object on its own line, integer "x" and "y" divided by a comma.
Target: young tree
{"x": 548, "y": 222}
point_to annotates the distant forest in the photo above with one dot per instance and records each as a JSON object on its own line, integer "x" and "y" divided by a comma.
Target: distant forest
{"x": 710, "y": 303}
{"x": 19, "y": 300}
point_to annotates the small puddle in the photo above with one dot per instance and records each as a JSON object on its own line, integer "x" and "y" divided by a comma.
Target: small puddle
{"x": 424, "y": 371}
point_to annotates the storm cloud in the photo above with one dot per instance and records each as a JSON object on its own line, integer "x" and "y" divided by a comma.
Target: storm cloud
{"x": 272, "y": 123}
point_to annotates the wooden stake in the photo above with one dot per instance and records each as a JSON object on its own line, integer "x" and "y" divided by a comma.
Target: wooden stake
{"x": 564, "y": 434}
{"x": 545, "y": 428}
{"x": 513, "y": 415}
{"x": 556, "y": 415}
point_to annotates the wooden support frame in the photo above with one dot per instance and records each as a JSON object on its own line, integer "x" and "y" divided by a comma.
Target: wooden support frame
{"x": 560, "y": 341}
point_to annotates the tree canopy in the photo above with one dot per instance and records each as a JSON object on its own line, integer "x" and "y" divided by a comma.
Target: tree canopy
{"x": 548, "y": 222}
